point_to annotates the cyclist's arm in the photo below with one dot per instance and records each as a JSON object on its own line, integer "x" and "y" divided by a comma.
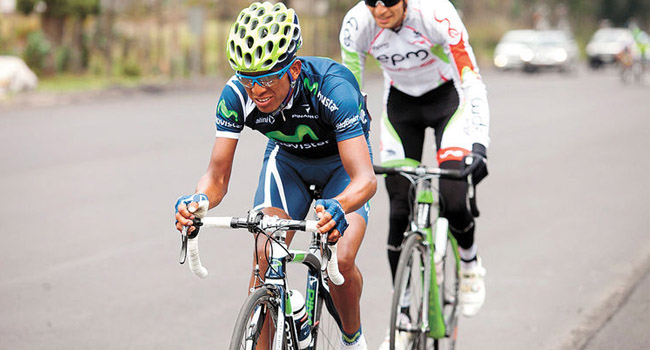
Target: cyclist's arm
{"x": 214, "y": 183}
{"x": 363, "y": 182}
{"x": 353, "y": 51}
{"x": 450, "y": 30}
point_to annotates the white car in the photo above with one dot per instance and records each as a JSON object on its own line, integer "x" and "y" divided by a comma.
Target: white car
{"x": 552, "y": 49}
{"x": 606, "y": 44}
{"x": 513, "y": 49}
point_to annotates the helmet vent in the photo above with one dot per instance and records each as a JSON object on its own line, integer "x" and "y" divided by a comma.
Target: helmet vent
{"x": 275, "y": 28}
{"x": 263, "y": 32}
{"x": 261, "y": 11}
{"x": 296, "y": 33}
{"x": 242, "y": 32}
{"x": 282, "y": 43}
{"x": 254, "y": 24}
{"x": 282, "y": 17}
{"x": 247, "y": 19}
{"x": 249, "y": 42}
{"x": 269, "y": 47}
{"x": 248, "y": 59}
{"x": 258, "y": 52}
{"x": 267, "y": 19}
{"x": 239, "y": 52}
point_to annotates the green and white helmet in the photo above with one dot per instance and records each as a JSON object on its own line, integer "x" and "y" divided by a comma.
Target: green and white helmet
{"x": 264, "y": 36}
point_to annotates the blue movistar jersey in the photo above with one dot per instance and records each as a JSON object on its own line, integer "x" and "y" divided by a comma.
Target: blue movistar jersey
{"x": 326, "y": 107}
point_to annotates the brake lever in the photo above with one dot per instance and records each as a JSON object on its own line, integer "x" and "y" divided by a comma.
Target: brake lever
{"x": 184, "y": 236}
{"x": 183, "y": 255}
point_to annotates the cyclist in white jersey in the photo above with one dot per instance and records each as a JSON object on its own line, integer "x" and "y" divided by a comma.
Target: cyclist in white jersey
{"x": 431, "y": 80}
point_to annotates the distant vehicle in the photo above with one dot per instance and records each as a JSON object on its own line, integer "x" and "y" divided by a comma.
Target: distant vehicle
{"x": 606, "y": 44}
{"x": 513, "y": 44}
{"x": 551, "y": 49}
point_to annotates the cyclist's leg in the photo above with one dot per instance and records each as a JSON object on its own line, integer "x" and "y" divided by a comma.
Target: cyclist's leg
{"x": 346, "y": 297}
{"x": 402, "y": 138}
{"x": 280, "y": 192}
{"x": 277, "y": 179}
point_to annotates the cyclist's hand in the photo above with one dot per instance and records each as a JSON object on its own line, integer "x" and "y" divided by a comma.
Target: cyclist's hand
{"x": 332, "y": 218}
{"x": 479, "y": 155}
{"x": 189, "y": 207}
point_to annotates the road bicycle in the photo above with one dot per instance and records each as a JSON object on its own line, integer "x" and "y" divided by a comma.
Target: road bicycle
{"x": 271, "y": 300}
{"x": 424, "y": 308}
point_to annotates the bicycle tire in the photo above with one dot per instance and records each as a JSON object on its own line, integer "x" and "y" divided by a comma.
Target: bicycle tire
{"x": 327, "y": 336}
{"x": 409, "y": 293}
{"x": 258, "y": 306}
{"x": 448, "y": 295}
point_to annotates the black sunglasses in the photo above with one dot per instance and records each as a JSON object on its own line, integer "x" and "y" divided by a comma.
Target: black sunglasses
{"x": 385, "y": 3}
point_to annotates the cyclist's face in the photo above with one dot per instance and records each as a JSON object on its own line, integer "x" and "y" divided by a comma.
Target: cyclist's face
{"x": 269, "y": 97}
{"x": 388, "y": 17}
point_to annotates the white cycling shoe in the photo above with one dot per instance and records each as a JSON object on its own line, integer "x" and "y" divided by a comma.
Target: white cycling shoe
{"x": 360, "y": 344}
{"x": 472, "y": 288}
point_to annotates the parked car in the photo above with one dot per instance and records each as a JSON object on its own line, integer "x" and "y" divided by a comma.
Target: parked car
{"x": 551, "y": 49}
{"x": 513, "y": 44}
{"x": 606, "y": 44}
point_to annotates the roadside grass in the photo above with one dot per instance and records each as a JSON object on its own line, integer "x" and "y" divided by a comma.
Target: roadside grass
{"x": 72, "y": 83}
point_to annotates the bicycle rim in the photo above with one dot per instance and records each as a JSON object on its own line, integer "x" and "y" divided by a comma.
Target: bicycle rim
{"x": 326, "y": 335}
{"x": 449, "y": 296}
{"x": 258, "y": 310}
{"x": 407, "y": 308}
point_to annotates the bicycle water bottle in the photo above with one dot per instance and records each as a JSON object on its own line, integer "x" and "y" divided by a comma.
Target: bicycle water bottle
{"x": 301, "y": 318}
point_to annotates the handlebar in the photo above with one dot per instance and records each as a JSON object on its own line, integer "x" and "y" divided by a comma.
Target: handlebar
{"x": 471, "y": 162}
{"x": 255, "y": 222}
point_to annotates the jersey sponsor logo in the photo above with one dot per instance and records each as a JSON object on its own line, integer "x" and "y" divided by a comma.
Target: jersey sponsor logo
{"x": 228, "y": 124}
{"x": 346, "y": 123}
{"x": 301, "y": 132}
{"x": 225, "y": 112}
{"x": 302, "y": 116}
{"x": 302, "y": 146}
{"x": 327, "y": 102}
{"x": 351, "y": 25}
{"x": 313, "y": 88}
{"x": 267, "y": 120}
{"x": 380, "y": 47}
{"x": 421, "y": 54}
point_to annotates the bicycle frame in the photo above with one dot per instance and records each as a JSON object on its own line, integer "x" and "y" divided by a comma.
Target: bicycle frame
{"x": 276, "y": 278}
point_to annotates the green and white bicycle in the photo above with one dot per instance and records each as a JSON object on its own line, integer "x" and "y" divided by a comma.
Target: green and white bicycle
{"x": 424, "y": 309}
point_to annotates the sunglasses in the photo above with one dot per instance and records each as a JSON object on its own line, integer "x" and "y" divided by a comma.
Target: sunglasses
{"x": 385, "y": 3}
{"x": 264, "y": 80}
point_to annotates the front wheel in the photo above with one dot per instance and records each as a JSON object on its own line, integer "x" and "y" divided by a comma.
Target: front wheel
{"x": 448, "y": 289}
{"x": 259, "y": 309}
{"x": 409, "y": 306}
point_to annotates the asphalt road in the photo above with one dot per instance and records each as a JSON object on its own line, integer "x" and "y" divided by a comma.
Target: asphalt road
{"x": 88, "y": 258}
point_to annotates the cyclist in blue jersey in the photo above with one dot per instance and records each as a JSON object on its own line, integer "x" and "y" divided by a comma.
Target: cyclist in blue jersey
{"x": 431, "y": 80}
{"x": 316, "y": 120}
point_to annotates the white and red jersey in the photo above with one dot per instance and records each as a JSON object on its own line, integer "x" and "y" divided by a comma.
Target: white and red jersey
{"x": 430, "y": 48}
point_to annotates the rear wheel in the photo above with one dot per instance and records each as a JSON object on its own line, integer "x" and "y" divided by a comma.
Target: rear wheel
{"x": 259, "y": 309}
{"x": 407, "y": 309}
